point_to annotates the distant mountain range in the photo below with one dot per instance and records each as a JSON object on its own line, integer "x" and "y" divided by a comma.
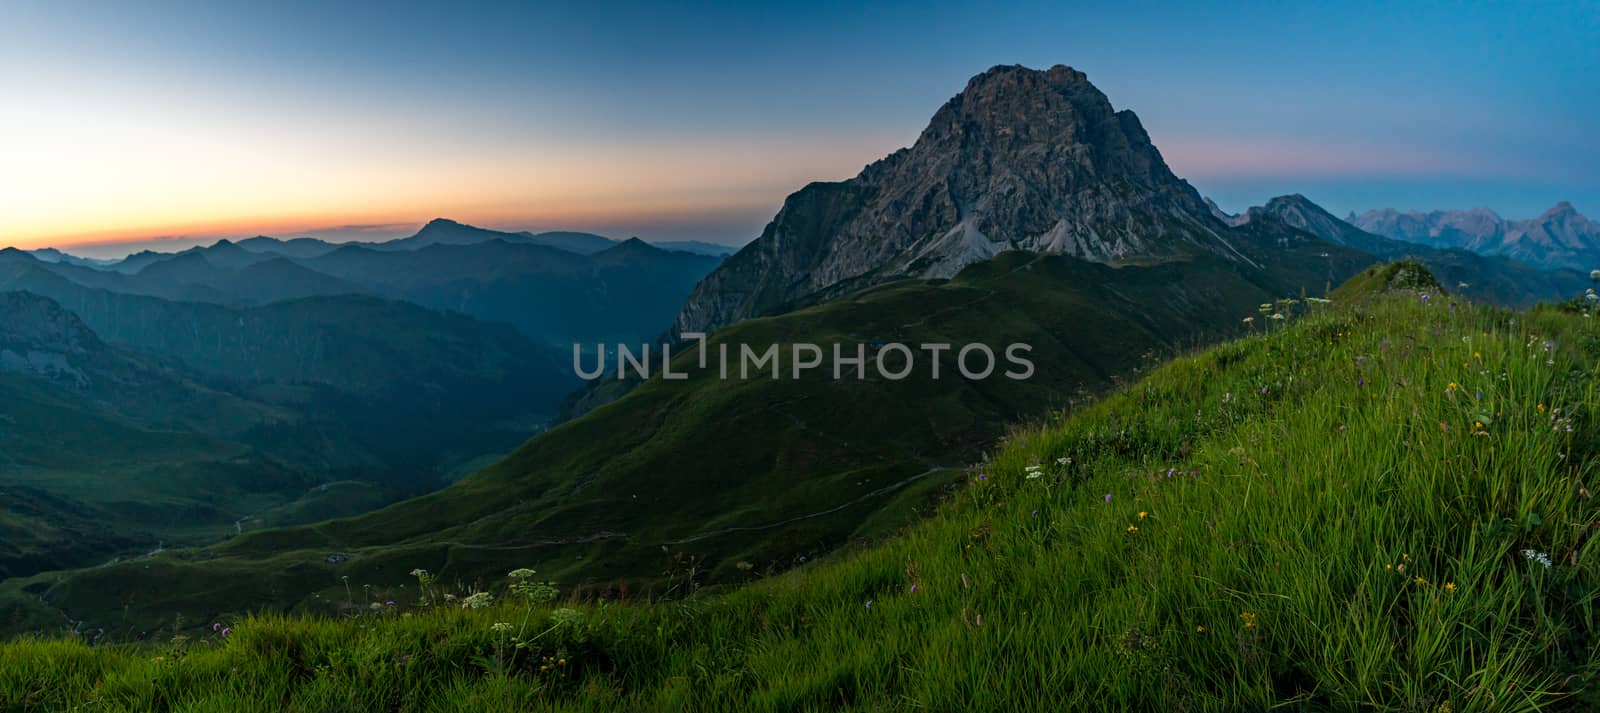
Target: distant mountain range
{"x": 557, "y": 288}
{"x": 1560, "y": 238}
{"x": 1494, "y": 278}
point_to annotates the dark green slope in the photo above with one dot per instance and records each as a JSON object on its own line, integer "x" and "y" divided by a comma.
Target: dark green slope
{"x": 704, "y": 474}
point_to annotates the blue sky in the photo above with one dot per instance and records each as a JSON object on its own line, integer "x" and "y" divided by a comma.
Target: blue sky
{"x": 138, "y": 120}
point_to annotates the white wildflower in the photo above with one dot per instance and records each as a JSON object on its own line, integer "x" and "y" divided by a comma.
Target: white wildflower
{"x": 1539, "y": 557}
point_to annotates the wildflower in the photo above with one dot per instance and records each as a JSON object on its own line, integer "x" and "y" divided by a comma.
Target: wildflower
{"x": 983, "y": 476}
{"x": 1539, "y": 557}
{"x": 419, "y": 572}
{"x": 566, "y": 617}
{"x": 1277, "y": 315}
{"x": 869, "y": 603}
{"x": 1063, "y": 461}
{"x": 912, "y": 590}
{"x": 1449, "y": 586}
{"x": 1263, "y": 391}
{"x": 1142, "y": 514}
{"x": 227, "y": 629}
{"x": 522, "y": 573}
{"x": 1033, "y": 472}
{"x": 1108, "y": 497}
{"x": 1420, "y": 581}
{"x": 1541, "y": 408}
{"x": 1132, "y": 529}
{"x": 216, "y": 628}
{"x": 1249, "y": 620}
{"x": 481, "y": 600}
{"x": 501, "y": 627}
{"x": 1388, "y": 567}
{"x": 1452, "y": 386}
{"x": 1248, "y": 320}
{"x": 1199, "y": 629}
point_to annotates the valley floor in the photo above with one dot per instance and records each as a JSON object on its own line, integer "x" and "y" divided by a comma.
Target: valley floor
{"x": 1381, "y": 503}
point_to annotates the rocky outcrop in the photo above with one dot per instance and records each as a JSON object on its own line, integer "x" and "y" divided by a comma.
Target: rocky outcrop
{"x": 39, "y": 338}
{"x": 1020, "y": 159}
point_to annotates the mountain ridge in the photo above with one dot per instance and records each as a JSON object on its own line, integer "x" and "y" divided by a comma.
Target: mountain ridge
{"x": 1560, "y": 237}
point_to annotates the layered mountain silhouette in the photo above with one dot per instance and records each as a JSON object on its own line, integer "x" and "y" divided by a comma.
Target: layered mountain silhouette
{"x": 557, "y": 288}
{"x": 1559, "y": 238}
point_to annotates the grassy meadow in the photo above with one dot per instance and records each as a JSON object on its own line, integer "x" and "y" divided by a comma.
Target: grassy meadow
{"x": 1379, "y": 503}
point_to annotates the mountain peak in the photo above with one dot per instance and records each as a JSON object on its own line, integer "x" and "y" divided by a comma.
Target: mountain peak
{"x": 1022, "y": 158}
{"x": 1559, "y": 210}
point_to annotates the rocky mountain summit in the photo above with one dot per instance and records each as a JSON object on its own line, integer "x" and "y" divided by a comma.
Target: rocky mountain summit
{"x": 1560, "y": 237}
{"x": 1025, "y": 159}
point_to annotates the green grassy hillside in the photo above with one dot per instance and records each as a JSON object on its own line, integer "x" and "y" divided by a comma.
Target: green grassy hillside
{"x": 1382, "y": 504}
{"x": 686, "y": 483}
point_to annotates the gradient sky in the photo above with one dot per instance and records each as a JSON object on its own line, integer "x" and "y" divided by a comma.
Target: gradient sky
{"x": 123, "y": 121}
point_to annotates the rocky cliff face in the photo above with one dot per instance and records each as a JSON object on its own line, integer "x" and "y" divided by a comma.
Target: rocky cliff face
{"x": 1020, "y": 159}
{"x": 39, "y": 338}
{"x": 1561, "y": 237}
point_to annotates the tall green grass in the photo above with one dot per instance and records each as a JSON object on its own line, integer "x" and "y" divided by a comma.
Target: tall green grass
{"x": 1348, "y": 511}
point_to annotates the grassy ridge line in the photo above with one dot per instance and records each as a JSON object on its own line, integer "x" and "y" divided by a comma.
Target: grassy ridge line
{"x": 1332, "y": 516}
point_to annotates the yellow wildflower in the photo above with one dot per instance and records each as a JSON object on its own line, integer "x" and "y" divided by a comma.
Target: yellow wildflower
{"x": 1132, "y": 528}
{"x": 1449, "y": 586}
{"x": 1143, "y": 514}
{"x": 1249, "y": 620}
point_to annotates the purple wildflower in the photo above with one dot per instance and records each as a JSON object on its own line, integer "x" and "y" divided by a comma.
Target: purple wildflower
{"x": 869, "y": 603}
{"x": 1480, "y": 396}
{"x": 389, "y": 603}
{"x": 1263, "y": 391}
{"x": 1170, "y": 471}
{"x": 983, "y": 476}
{"x": 1361, "y": 382}
{"x": 1035, "y": 513}
{"x": 215, "y": 628}
{"x": 1108, "y": 497}
{"x": 913, "y": 589}
{"x": 225, "y": 631}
